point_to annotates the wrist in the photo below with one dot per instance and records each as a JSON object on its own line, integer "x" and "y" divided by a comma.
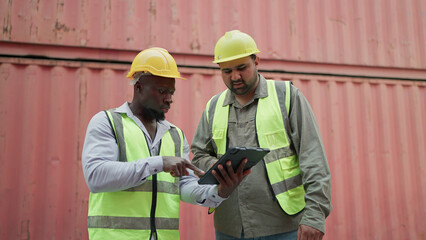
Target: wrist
{"x": 219, "y": 193}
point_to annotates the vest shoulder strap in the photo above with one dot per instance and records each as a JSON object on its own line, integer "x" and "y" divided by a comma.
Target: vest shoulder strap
{"x": 284, "y": 95}
{"x": 283, "y": 90}
{"x": 177, "y": 137}
{"x": 211, "y": 106}
{"x": 116, "y": 122}
{"x": 112, "y": 127}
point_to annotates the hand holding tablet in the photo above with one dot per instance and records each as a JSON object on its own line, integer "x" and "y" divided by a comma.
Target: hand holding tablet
{"x": 235, "y": 155}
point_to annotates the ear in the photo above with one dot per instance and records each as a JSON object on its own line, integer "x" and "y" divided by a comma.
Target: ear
{"x": 257, "y": 60}
{"x": 138, "y": 86}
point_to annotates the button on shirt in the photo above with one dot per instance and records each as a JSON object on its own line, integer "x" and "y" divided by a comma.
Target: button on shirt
{"x": 104, "y": 173}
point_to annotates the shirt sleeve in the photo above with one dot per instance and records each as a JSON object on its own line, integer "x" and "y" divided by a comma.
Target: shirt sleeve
{"x": 194, "y": 193}
{"x": 315, "y": 171}
{"x": 102, "y": 170}
{"x": 201, "y": 147}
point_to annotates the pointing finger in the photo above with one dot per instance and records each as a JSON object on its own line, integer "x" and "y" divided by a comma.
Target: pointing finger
{"x": 197, "y": 171}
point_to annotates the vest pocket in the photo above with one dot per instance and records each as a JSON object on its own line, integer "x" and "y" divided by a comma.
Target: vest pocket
{"x": 274, "y": 140}
{"x": 297, "y": 193}
{"x": 292, "y": 178}
{"x": 218, "y": 134}
{"x": 290, "y": 166}
{"x": 219, "y": 140}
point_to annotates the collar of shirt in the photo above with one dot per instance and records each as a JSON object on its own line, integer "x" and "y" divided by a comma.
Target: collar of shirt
{"x": 260, "y": 92}
{"x": 162, "y": 127}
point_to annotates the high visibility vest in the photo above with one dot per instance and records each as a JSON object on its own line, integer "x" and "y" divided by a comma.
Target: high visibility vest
{"x": 282, "y": 164}
{"x": 150, "y": 209}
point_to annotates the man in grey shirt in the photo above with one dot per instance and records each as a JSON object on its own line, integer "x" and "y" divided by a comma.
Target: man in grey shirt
{"x": 288, "y": 195}
{"x": 136, "y": 164}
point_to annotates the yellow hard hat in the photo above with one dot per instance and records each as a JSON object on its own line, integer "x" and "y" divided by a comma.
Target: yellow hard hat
{"x": 233, "y": 45}
{"x": 156, "y": 61}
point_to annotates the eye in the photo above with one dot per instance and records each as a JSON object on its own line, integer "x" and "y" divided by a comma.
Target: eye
{"x": 241, "y": 68}
{"x": 226, "y": 71}
{"x": 165, "y": 91}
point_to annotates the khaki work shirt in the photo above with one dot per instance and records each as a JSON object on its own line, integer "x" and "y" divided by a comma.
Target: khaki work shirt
{"x": 252, "y": 207}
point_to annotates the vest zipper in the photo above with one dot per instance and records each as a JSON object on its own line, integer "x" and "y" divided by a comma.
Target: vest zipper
{"x": 154, "y": 201}
{"x": 153, "y": 206}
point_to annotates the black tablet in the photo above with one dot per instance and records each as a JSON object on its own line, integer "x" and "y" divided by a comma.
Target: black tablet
{"x": 236, "y": 155}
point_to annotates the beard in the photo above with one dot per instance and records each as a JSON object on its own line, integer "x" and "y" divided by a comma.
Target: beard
{"x": 159, "y": 116}
{"x": 239, "y": 91}
{"x": 248, "y": 85}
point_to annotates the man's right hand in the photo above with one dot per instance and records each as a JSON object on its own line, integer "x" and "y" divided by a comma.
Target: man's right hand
{"x": 177, "y": 167}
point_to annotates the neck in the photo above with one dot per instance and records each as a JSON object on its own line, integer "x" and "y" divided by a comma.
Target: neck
{"x": 243, "y": 99}
{"x": 149, "y": 122}
{"x": 139, "y": 113}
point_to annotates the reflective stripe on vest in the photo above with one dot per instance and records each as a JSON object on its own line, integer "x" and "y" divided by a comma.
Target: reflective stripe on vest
{"x": 282, "y": 164}
{"x": 129, "y": 214}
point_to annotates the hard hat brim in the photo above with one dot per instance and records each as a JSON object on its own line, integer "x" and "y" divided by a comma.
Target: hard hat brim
{"x": 235, "y": 57}
{"x": 131, "y": 75}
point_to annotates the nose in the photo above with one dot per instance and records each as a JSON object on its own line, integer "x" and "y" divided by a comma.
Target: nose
{"x": 168, "y": 98}
{"x": 235, "y": 75}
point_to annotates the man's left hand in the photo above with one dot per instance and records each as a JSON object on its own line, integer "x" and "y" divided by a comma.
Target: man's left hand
{"x": 309, "y": 233}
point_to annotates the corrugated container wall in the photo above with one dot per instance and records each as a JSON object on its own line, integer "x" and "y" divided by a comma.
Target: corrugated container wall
{"x": 361, "y": 64}
{"x": 366, "y": 33}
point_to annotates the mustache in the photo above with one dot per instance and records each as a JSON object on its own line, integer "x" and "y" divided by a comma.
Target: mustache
{"x": 237, "y": 81}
